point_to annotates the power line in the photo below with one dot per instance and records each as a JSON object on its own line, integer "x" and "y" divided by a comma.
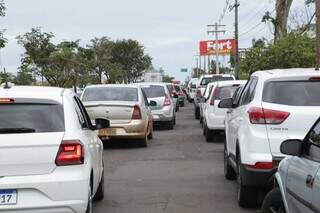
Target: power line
{"x": 225, "y": 9}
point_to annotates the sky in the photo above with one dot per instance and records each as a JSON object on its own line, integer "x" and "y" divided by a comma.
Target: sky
{"x": 170, "y": 30}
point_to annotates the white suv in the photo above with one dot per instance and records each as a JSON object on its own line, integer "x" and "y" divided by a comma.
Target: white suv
{"x": 275, "y": 105}
{"x": 51, "y": 156}
{"x": 213, "y": 116}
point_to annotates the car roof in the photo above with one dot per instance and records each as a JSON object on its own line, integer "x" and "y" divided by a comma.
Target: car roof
{"x": 150, "y": 83}
{"x": 278, "y": 73}
{"x": 212, "y": 75}
{"x": 111, "y": 85}
{"x": 228, "y": 83}
{"x": 34, "y": 92}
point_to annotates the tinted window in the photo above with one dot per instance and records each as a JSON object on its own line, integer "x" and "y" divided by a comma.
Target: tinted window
{"x": 224, "y": 92}
{"x": 110, "y": 94}
{"x": 237, "y": 95}
{"x": 249, "y": 91}
{"x": 206, "y": 81}
{"x": 294, "y": 93}
{"x": 154, "y": 91}
{"x": 193, "y": 86}
{"x": 38, "y": 117}
{"x": 312, "y": 148}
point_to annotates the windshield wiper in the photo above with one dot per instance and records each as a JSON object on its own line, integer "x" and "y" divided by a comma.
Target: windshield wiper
{"x": 16, "y": 130}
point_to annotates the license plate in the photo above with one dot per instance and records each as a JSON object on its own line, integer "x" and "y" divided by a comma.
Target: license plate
{"x": 8, "y": 197}
{"x": 107, "y": 132}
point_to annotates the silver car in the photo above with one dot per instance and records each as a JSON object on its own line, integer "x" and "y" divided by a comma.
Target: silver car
{"x": 297, "y": 182}
{"x": 127, "y": 108}
{"x": 164, "y": 112}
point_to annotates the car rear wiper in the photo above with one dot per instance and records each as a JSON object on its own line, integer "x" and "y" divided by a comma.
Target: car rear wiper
{"x": 16, "y": 130}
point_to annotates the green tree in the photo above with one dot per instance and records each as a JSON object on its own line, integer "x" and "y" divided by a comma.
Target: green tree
{"x": 294, "y": 50}
{"x": 24, "y": 77}
{"x": 167, "y": 79}
{"x": 132, "y": 58}
{"x": 3, "y": 40}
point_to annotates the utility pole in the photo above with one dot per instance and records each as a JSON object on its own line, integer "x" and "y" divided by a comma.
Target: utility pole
{"x": 216, "y": 31}
{"x": 236, "y": 37}
{"x": 318, "y": 33}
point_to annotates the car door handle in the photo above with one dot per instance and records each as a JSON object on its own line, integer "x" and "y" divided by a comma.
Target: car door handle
{"x": 229, "y": 111}
{"x": 309, "y": 181}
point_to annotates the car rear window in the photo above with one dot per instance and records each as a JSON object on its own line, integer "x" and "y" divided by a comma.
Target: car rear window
{"x": 111, "y": 94}
{"x": 154, "y": 91}
{"x": 206, "y": 81}
{"x": 224, "y": 92}
{"x": 29, "y": 117}
{"x": 294, "y": 93}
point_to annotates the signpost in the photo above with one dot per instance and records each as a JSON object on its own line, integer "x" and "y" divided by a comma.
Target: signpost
{"x": 225, "y": 47}
{"x": 184, "y": 69}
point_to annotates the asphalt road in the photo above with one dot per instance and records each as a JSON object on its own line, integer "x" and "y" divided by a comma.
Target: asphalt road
{"x": 178, "y": 173}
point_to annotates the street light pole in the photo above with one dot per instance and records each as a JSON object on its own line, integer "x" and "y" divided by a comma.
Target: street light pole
{"x": 216, "y": 31}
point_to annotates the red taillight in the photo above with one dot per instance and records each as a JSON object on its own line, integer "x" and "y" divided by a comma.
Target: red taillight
{"x": 70, "y": 153}
{"x": 262, "y": 165}
{"x": 167, "y": 101}
{"x": 181, "y": 93}
{"x": 314, "y": 78}
{"x": 6, "y": 100}
{"x": 136, "y": 114}
{"x": 259, "y": 115}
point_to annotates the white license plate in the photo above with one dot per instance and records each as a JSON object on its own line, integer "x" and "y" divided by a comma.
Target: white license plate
{"x": 8, "y": 196}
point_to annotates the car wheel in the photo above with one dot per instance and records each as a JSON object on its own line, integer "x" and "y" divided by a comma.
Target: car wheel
{"x": 204, "y": 129}
{"x": 174, "y": 121}
{"x": 247, "y": 196}
{"x": 150, "y": 136}
{"x": 229, "y": 173}
{"x": 171, "y": 124}
{"x": 182, "y": 104}
{"x": 209, "y": 134}
{"x": 273, "y": 202}
{"x": 144, "y": 141}
{"x": 201, "y": 119}
{"x": 89, "y": 205}
{"x": 100, "y": 192}
{"x": 197, "y": 113}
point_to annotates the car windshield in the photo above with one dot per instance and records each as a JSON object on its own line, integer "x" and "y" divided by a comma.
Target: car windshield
{"x": 111, "y": 94}
{"x": 205, "y": 81}
{"x": 27, "y": 118}
{"x": 306, "y": 93}
{"x": 224, "y": 92}
{"x": 154, "y": 91}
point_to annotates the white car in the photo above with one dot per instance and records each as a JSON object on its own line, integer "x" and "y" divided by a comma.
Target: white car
{"x": 213, "y": 116}
{"x": 192, "y": 89}
{"x": 204, "y": 80}
{"x": 275, "y": 105}
{"x": 51, "y": 156}
{"x": 127, "y": 108}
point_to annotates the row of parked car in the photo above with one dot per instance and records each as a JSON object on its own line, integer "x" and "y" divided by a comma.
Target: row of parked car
{"x": 51, "y": 150}
{"x": 268, "y": 142}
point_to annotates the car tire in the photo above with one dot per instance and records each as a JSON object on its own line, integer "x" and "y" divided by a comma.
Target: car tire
{"x": 100, "y": 191}
{"x": 197, "y": 113}
{"x": 209, "y": 134}
{"x": 174, "y": 121}
{"x": 203, "y": 130}
{"x": 150, "y": 136}
{"x": 171, "y": 125}
{"x": 201, "y": 120}
{"x": 144, "y": 141}
{"x": 182, "y": 104}
{"x": 89, "y": 205}
{"x": 247, "y": 196}
{"x": 273, "y": 202}
{"x": 229, "y": 172}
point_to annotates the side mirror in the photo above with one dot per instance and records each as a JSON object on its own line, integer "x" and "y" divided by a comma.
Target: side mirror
{"x": 291, "y": 147}
{"x": 153, "y": 103}
{"x": 226, "y": 103}
{"x": 102, "y": 123}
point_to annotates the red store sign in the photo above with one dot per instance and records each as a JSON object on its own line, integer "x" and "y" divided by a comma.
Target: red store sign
{"x": 225, "y": 46}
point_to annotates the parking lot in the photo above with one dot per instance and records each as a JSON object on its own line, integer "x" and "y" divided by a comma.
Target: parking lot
{"x": 178, "y": 172}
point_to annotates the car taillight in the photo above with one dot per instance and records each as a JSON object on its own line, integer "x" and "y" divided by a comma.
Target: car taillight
{"x": 259, "y": 115}
{"x": 314, "y": 78}
{"x": 136, "y": 114}
{"x": 181, "y": 93}
{"x": 262, "y": 165}
{"x": 70, "y": 153}
{"x": 167, "y": 101}
{"x": 6, "y": 100}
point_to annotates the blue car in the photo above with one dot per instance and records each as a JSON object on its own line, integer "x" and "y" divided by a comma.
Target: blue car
{"x": 297, "y": 182}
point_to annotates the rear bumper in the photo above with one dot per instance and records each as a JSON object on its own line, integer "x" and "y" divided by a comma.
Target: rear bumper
{"x": 166, "y": 114}
{"x": 64, "y": 190}
{"x": 215, "y": 122}
{"x": 136, "y": 129}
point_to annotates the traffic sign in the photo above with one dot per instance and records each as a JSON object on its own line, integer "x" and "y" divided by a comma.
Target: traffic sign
{"x": 184, "y": 70}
